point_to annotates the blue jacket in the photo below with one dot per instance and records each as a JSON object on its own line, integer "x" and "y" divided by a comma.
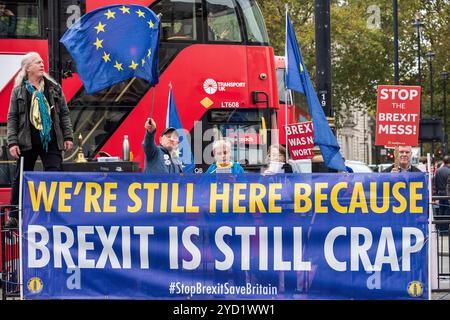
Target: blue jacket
{"x": 236, "y": 168}
{"x": 158, "y": 158}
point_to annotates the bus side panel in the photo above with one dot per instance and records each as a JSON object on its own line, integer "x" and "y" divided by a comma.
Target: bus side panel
{"x": 261, "y": 62}
{"x": 18, "y": 47}
{"x": 71, "y": 86}
{"x": 94, "y": 4}
{"x": 202, "y": 77}
{"x": 5, "y": 195}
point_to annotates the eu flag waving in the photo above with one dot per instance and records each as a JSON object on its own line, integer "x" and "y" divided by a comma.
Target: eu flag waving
{"x": 297, "y": 79}
{"x": 173, "y": 120}
{"x": 114, "y": 43}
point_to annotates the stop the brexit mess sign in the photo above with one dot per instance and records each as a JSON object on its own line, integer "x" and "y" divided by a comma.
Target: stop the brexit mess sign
{"x": 300, "y": 139}
{"x": 398, "y": 112}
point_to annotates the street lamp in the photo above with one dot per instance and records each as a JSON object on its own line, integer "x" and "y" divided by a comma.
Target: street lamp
{"x": 418, "y": 24}
{"x": 444, "y": 77}
{"x": 395, "y": 22}
{"x": 430, "y": 57}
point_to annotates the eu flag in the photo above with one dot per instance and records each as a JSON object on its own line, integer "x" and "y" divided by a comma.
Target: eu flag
{"x": 297, "y": 79}
{"x": 114, "y": 43}
{"x": 173, "y": 120}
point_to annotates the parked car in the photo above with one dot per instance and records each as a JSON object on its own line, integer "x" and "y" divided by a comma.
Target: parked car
{"x": 304, "y": 166}
{"x": 358, "y": 166}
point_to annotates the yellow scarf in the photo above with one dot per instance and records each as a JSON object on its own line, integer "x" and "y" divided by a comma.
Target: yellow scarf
{"x": 224, "y": 166}
{"x": 35, "y": 114}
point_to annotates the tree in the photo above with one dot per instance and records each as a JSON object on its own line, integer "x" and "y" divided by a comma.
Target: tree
{"x": 362, "y": 46}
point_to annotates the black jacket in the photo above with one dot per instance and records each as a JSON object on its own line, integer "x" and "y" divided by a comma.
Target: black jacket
{"x": 411, "y": 169}
{"x": 18, "y": 127}
{"x": 440, "y": 180}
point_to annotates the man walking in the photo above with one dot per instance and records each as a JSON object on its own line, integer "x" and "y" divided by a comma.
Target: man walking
{"x": 440, "y": 185}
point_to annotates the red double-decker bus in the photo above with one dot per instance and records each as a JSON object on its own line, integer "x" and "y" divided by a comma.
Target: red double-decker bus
{"x": 214, "y": 52}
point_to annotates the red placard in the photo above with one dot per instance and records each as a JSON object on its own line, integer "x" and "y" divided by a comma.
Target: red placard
{"x": 398, "y": 112}
{"x": 300, "y": 139}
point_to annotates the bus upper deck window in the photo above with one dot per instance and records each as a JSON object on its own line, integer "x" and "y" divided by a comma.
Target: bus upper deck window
{"x": 223, "y": 24}
{"x": 19, "y": 20}
{"x": 256, "y": 29}
{"x": 180, "y": 19}
{"x": 8, "y": 21}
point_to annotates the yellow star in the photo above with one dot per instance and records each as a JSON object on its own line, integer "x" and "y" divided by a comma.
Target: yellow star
{"x": 149, "y": 52}
{"x": 143, "y": 61}
{"x": 110, "y": 14}
{"x": 118, "y": 66}
{"x": 125, "y": 10}
{"x": 150, "y": 24}
{"x": 140, "y": 13}
{"x": 301, "y": 68}
{"x": 106, "y": 57}
{"x": 133, "y": 65}
{"x": 100, "y": 27}
{"x": 98, "y": 43}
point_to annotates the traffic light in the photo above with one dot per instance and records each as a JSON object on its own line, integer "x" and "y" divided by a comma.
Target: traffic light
{"x": 390, "y": 155}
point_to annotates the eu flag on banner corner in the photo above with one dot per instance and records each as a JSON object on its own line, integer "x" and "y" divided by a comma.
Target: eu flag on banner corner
{"x": 114, "y": 43}
{"x": 297, "y": 79}
{"x": 184, "y": 147}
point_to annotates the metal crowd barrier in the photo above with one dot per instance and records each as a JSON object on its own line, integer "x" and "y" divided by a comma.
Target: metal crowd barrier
{"x": 9, "y": 246}
{"x": 441, "y": 222}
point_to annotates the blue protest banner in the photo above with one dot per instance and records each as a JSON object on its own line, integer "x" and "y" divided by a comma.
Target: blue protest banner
{"x": 302, "y": 236}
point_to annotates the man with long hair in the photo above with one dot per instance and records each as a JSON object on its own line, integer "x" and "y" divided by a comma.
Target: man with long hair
{"x": 38, "y": 123}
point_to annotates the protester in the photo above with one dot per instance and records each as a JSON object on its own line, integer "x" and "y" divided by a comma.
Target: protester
{"x": 440, "y": 184}
{"x": 276, "y": 160}
{"x": 162, "y": 158}
{"x": 405, "y": 154}
{"x": 222, "y": 154}
{"x": 38, "y": 122}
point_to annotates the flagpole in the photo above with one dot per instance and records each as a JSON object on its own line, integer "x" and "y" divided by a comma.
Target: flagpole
{"x": 168, "y": 104}
{"x": 287, "y": 90}
{"x": 158, "y": 16}
{"x": 431, "y": 232}
{"x": 153, "y": 103}
{"x": 125, "y": 89}
{"x": 286, "y": 122}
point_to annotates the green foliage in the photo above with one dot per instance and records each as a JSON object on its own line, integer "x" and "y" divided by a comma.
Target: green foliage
{"x": 362, "y": 50}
